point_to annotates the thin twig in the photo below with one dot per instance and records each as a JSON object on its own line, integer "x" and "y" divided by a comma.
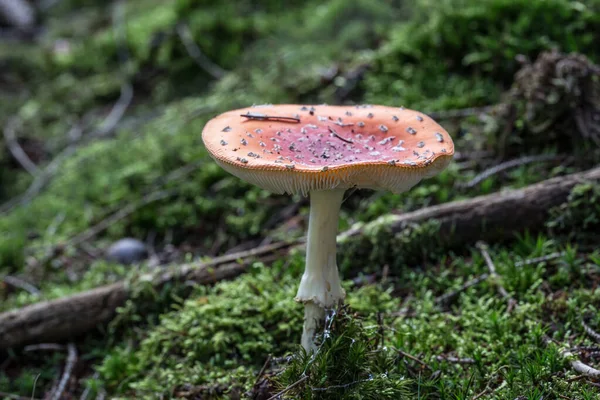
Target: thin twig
{"x": 119, "y": 215}
{"x": 576, "y": 364}
{"x": 341, "y": 386}
{"x": 447, "y": 297}
{"x": 540, "y": 259}
{"x": 263, "y": 369}
{"x": 507, "y": 165}
{"x": 592, "y": 333}
{"x": 265, "y": 117}
{"x": 410, "y": 356}
{"x": 71, "y": 360}
{"x": 88, "y": 388}
{"x": 15, "y": 148}
{"x": 455, "y": 360}
{"x": 44, "y": 346}
{"x": 109, "y": 124}
{"x": 40, "y": 181}
{"x": 196, "y": 54}
{"x": 493, "y": 274}
{"x": 21, "y": 284}
{"x": 343, "y": 139}
{"x": 462, "y": 112}
{"x": 14, "y": 396}
{"x": 34, "y": 385}
{"x": 287, "y": 389}
{"x": 488, "y": 390}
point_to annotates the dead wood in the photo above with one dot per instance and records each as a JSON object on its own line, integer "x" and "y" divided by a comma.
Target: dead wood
{"x": 491, "y": 217}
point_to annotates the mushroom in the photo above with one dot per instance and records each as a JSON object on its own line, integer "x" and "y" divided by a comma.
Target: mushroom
{"x": 321, "y": 151}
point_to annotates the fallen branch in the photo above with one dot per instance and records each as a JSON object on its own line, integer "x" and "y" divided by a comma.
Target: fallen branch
{"x": 67, "y": 317}
{"x": 491, "y": 217}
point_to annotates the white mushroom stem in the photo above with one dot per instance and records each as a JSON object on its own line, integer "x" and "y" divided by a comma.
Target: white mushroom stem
{"x": 320, "y": 287}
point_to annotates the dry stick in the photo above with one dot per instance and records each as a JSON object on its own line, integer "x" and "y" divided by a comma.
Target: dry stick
{"x": 262, "y": 370}
{"x": 410, "y": 356}
{"x": 67, "y": 317}
{"x": 456, "y": 360}
{"x": 40, "y": 181}
{"x": 462, "y": 112}
{"x": 287, "y": 389}
{"x": 15, "y": 148}
{"x": 119, "y": 215}
{"x": 540, "y": 259}
{"x": 88, "y": 388}
{"x": 196, "y": 54}
{"x": 592, "y": 333}
{"x": 507, "y": 165}
{"x": 71, "y": 360}
{"x": 21, "y": 284}
{"x": 44, "y": 346}
{"x": 447, "y": 297}
{"x": 494, "y": 217}
{"x": 581, "y": 367}
{"x": 576, "y": 364}
{"x": 494, "y": 275}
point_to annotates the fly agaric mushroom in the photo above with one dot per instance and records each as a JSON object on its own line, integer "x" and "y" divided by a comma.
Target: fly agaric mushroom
{"x": 321, "y": 151}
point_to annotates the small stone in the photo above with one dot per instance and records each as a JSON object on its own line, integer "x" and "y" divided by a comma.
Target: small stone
{"x": 127, "y": 251}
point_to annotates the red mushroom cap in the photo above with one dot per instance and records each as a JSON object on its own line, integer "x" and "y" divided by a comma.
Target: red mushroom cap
{"x": 298, "y": 148}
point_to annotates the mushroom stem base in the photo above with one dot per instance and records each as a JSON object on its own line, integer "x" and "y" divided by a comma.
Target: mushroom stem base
{"x": 314, "y": 316}
{"x": 320, "y": 287}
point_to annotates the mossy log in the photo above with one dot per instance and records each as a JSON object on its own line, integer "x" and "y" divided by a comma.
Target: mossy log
{"x": 490, "y": 217}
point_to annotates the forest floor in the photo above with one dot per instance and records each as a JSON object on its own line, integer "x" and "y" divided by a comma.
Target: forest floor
{"x": 450, "y": 295}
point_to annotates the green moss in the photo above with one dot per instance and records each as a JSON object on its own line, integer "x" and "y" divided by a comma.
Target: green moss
{"x": 580, "y": 214}
{"x": 456, "y": 53}
{"x": 231, "y": 327}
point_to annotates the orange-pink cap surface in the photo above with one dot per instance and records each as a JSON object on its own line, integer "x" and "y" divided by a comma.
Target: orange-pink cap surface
{"x": 298, "y": 148}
